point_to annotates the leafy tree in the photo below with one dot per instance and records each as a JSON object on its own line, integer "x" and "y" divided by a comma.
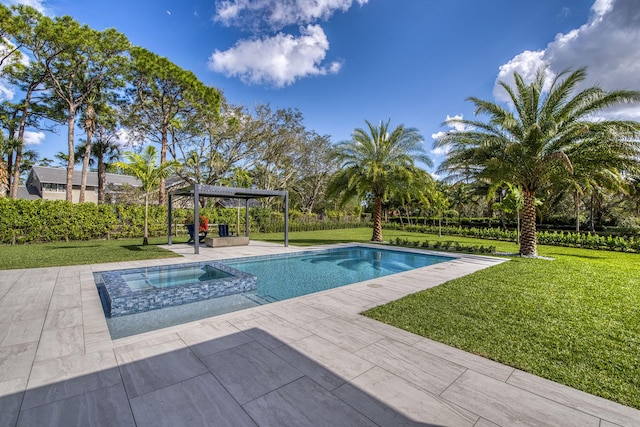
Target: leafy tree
{"x": 78, "y": 60}
{"x": 372, "y": 161}
{"x": 314, "y": 166}
{"x": 511, "y": 203}
{"x": 525, "y": 146}
{"x": 163, "y": 98}
{"x": 145, "y": 167}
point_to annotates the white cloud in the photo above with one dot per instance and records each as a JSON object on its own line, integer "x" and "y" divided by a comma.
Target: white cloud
{"x": 607, "y": 45}
{"x": 454, "y": 126}
{"x": 277, "y": 14}
{"x": 6, "y": 91}
{"x": 36, "y": 4}
{"x": 279, "y": 60}
{"x": 33, "y": 138}
{"x": 526, "y": 64}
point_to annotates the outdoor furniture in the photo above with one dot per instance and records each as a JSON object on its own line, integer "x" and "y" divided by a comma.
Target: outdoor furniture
{"x": 202, "y": 234}
{"x": 223, "y": 230}
{"x": 220, "y": 242}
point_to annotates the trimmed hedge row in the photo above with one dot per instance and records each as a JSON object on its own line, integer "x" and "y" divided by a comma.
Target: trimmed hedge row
{"x": 553, "y": 238}
{"x": 37, "y": 221}
{"x": 445, "y": 246}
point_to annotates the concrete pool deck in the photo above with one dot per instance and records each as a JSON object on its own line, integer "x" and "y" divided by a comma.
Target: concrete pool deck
{"x": 311, "y": 360}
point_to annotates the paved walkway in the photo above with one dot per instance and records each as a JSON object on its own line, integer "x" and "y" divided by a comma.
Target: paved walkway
{"x": 307, "y": 361}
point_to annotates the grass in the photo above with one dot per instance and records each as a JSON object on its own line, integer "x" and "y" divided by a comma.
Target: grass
{"x": 82, "y": 252}
{"x": 574, "y": 320}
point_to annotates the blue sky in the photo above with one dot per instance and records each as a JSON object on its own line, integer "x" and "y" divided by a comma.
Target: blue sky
{"x": 341, "y": 62}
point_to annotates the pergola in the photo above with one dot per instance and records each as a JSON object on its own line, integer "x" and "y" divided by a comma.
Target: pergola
{"x": 199, "y": 190}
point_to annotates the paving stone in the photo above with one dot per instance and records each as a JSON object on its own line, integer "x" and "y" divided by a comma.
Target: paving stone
{"x": 250, "y": 370}
{"x": 51, "y": 371}
{"x": 65, "y": 318}
{"x": 142, "y": 375}
{"x": 20, "y": 332}
{"x": 585, "y": 402}
{"x": 199, "y": 401}
{"x": 468, "y": 360}
{"x": 393, "y": 401}
{"x": 387, "y": 330}
{"x": 430, "y": 372}
{"x": 60, "y": 342}
{"x": 345, "y": 333}
{"x": 507, "y": 405}
{"x": 67, "y": 388}
{"x": 323, "y": 362}
{"x": 271, "y": 331}
{"x": 211, "y": 338}
{"x": 104, "y": 407}
{"x": 9, "y": 408}
{"x": 16, "y": 361}
{"x": 304, "y": 403}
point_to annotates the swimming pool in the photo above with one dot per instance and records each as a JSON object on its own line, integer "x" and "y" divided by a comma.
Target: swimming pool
{"x": 291, "y": 275}
{"x": 278, "y": 277}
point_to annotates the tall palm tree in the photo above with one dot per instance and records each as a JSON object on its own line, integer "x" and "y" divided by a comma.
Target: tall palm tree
{"x": 144, "y": 166}
{"x": 372, "y": 161}
{"x": 524, "y": 146}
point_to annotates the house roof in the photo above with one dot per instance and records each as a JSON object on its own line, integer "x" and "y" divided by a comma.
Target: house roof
{"x": 59, "y": 176}
{"x": 28, "y": 192}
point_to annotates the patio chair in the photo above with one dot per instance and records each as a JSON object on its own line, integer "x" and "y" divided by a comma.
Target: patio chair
{"x": 202, "y": 234}
{"x": 223, "y": 230}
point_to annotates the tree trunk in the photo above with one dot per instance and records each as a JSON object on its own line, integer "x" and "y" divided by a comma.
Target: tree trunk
{"x": 145, "y": 240}
{"x": 163, "y": 159}
{"x": 20, "y": 145}
{"x": 13, "y": 191}
{"x": 528, "y": 239}
{"x": 576, "y": 207}
{"x": 518, "y": 226}
{"x": 377, "y": 219}
{"x": 71, "y": 162}
{"x": 102, "y": 176}
{"x": 592, "y": 223}
{"x": 85, "y": 167}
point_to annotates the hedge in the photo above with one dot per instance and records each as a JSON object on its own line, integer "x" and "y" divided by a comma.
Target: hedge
{"x": 554, "y": 238}
{"x": 36, "y": 221}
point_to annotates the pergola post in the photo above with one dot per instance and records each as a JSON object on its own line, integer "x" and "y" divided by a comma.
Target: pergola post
{"x": 286, "y": 218}
{"x": 246, "y": 217}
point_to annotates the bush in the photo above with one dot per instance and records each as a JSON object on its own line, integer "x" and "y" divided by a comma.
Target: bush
{"x": 552, "y": 238}
{"x": 36, "y": 221}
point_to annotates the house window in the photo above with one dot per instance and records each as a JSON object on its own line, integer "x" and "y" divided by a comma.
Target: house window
{"x": 56, "y": 188}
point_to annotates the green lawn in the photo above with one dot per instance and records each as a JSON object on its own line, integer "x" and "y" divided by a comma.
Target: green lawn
{"x": 82, "y": 252}
{"x": 574, "y": 320}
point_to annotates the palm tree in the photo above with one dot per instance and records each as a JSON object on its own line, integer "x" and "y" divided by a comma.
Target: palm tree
{"x": 525, "y": 146}
{"x": 144, "y": 166}
{"x": 373, "y": 161}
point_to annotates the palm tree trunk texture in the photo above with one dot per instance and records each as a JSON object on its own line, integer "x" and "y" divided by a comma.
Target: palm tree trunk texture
{"x": 528, "y": 240}
{"x": 377, "y": 220}
{"x": 576, "y": 207}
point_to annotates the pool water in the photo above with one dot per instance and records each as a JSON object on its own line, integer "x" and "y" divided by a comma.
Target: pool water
{"x": 180, "y": 275}
{"x": 279, "y": 277}
{"x": 283, "y": 277}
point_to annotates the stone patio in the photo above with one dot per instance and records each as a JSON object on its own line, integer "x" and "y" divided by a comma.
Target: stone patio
{"x": 311, "y": 360}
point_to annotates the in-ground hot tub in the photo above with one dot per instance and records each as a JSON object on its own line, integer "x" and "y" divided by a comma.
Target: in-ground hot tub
{"x": 148, "y": 288}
